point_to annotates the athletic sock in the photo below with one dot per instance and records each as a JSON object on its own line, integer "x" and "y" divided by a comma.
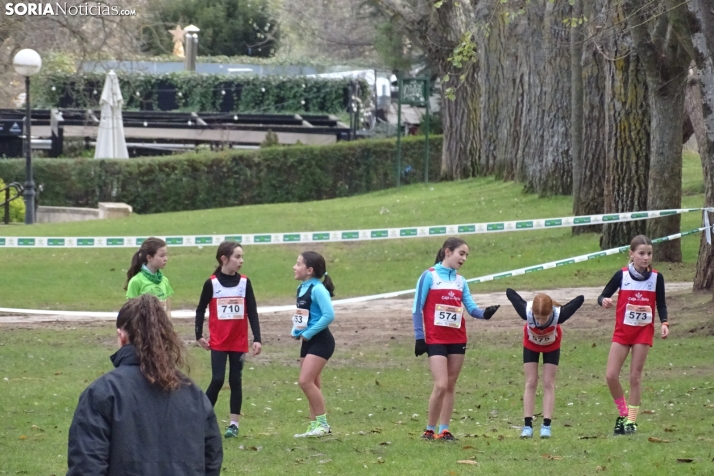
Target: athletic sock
{"x": 529, "y": 421}
{"x": 322, "y": 419}
{"x": 546, "y": 421}
{"x": 443, "y": 427}
{"x": 632, "y": 414}
{"x": 431, "y": 427}
{"x": 621, "y": 406}
{"x": 233, "y": 422}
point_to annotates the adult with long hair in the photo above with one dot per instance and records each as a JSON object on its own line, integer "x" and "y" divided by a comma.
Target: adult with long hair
{"x": 440, "y": 330}
{"x": 145, "y": 417}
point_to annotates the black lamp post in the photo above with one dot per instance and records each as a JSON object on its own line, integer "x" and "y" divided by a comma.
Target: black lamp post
{"x": 27, "y": 62}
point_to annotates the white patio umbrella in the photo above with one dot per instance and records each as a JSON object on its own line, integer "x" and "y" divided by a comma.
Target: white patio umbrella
{"x": 110, "y": 138}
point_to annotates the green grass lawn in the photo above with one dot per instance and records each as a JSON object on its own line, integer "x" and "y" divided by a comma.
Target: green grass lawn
{"x": 93, "y": 279}
{"x": 376, "y": 395}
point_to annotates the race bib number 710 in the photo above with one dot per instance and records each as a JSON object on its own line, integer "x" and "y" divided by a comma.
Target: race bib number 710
{"x": 230, "y": 308}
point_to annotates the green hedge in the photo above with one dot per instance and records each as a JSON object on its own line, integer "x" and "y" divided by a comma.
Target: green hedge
{"x": 203, "y": 180}
{"x": 198, "y": 92}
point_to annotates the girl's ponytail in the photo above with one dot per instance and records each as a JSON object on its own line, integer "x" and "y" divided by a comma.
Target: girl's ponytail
{"x": 148, "y": 248}
{"x": 319, "y": 269}
{"x": 450, "y": 244}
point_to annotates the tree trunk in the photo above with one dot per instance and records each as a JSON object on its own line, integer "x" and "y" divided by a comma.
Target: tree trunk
{"x": 665, "y": 176}
{"x": 627, "y": 125}
{"x": 551, "y": 172}
{"x": 589, "y": 181}
{"x": 665, "y": 61}
{"x": 700, "y": 106}
{"x": 577, "y": 108}
{"x": 460, "y": 117}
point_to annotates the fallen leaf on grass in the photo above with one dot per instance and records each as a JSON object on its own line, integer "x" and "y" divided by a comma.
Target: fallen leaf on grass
{"x": 376, "y": 430}
{"x": 386, "y": 443}
{"x": 557, "y": 458}
{"x": 323, "y": 461}
{"x": 23, "y": 437}
{"x": 601, "y": 468}
{"x": 669, "y": 430}
{"x": 467, "y": 447}
{"x": 568, "y": 425}
{"x": 468, "y": 461}
{"x": 587, "y": 437}
{"x": 649, "y": 412}
{"x": 684, "y": 460}
{"x": 656, "y": 440}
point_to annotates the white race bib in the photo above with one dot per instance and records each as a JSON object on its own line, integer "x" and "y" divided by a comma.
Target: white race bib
{"x": 448, "y": 316}
{"x": 230, "y": 308}
{"x": 638, "y": 315}
{"x": 300, "y": 317}
{"x": 542, "y": 339}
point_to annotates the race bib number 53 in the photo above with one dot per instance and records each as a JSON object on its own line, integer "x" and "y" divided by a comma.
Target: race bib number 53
{"x": 300, "y": 317}
{"x": 638, "y": 315}
{"x": 230, "y": 308}
{"x": 448, "y": 316}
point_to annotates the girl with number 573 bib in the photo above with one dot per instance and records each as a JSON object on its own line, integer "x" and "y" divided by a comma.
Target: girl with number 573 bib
{"x": 440, "y": 330}
{"x": 639, "y": 290}
{"x": 231, "y": 304}
{"x": 541, "y": 335}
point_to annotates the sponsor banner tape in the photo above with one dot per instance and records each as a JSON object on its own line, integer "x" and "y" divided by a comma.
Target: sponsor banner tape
{"x": 338, "y": 235}
{"x": 395, "y": 294}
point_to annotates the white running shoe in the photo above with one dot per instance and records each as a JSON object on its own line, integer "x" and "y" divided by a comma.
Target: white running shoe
{"x": 309, "y": 429}
{"x": 318, "y": 431}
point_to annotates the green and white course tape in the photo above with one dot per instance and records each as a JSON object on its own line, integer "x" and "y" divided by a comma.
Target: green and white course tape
{"x": 395, "y": 294}
{"x": 339, "y": 235}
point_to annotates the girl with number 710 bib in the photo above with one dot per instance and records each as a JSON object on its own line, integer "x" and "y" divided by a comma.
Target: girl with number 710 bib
{"x": 313, "y": 313}
{"x": 639, "y": 289}
{"x": 541, "y": 335}
{"x": 229, "y": 298}
{"x": 440, "y": 330}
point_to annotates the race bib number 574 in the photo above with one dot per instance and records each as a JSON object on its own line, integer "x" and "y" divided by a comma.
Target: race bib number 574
{"x": 448, "y": 316}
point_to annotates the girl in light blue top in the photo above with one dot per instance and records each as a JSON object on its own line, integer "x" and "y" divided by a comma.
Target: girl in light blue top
{"x": 313, "y": 313}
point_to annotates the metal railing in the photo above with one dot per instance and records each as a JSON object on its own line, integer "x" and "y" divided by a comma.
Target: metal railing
{"x": 6, "y": 204}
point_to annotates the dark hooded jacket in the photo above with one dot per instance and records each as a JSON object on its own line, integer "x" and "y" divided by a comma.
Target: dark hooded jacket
{"x": 124, "y": 426}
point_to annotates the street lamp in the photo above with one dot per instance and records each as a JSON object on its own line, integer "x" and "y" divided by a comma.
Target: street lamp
{"x": 28, "y": 62}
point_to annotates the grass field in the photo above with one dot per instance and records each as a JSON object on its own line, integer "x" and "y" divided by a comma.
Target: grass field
{"x": 376, "y": 393}
{"x": 93, "y": 279}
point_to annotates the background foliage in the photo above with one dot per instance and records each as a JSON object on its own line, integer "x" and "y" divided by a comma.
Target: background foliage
{"x": 207, "y": 180}
{"x": 199, "y": 92}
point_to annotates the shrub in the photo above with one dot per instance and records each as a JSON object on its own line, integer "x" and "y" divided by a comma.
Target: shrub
{"x": 204, "y": 180}
{"x": 17, "y": 206}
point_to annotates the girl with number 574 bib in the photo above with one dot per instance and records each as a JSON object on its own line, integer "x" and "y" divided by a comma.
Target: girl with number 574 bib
{"x": 231, "y": 304}
{"x": 639, "y": 290}
{"x": 541, "y": 335}
{"x": 440, "y": 330}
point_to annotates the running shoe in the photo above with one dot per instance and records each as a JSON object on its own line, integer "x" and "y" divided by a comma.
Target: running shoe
{"x": 545, "y": 431}
{"x": 630, "y": 427}
{"x": 527, "y": 432}
{"x": 428, "y": 435}
{"x": 620, "y": 425}
{"x": 445, "y": 435}
{"x": 309, "y": 429}
{"x": 231, "y": 432}
{"x": 318, "y": 431}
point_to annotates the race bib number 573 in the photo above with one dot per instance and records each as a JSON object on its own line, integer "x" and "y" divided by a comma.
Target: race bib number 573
{"x": 638, "y": 315}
